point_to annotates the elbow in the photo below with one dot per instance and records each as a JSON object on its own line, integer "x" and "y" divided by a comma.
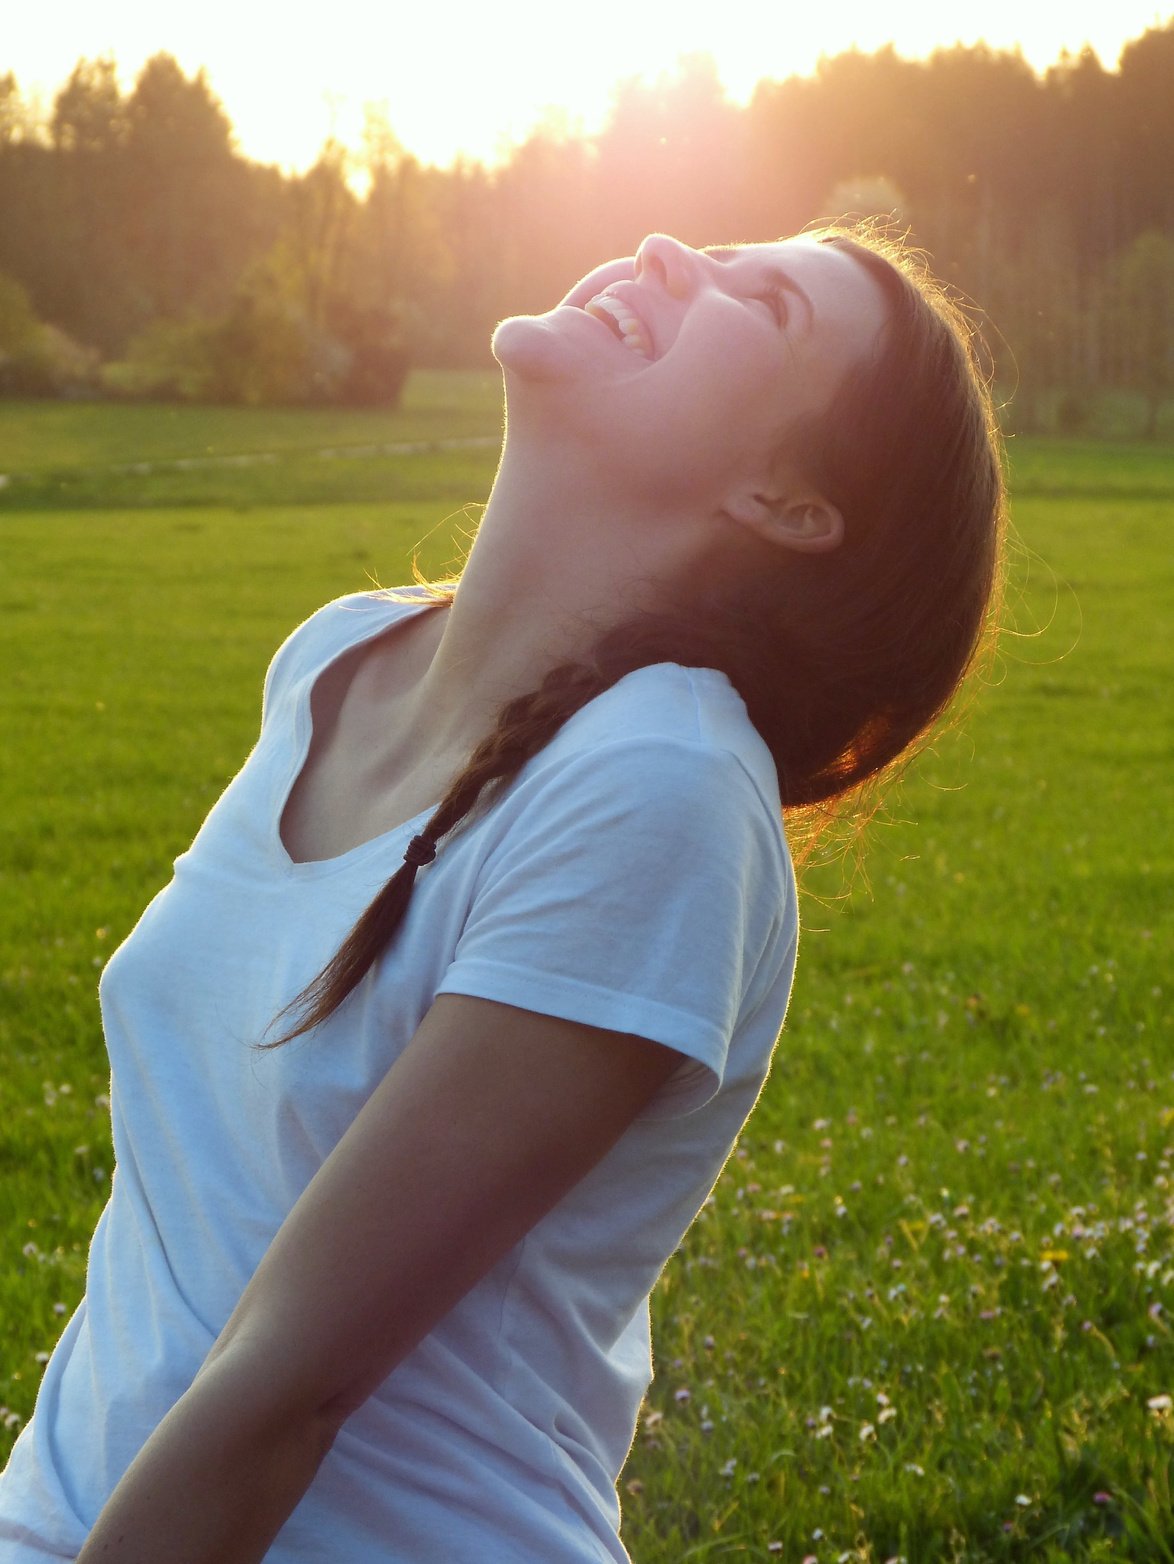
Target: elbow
{"x": 264, "y": 1399}
{"x": 336, "y": 1409}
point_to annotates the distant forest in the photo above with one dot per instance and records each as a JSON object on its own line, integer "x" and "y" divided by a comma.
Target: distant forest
{"x": 142, "y": 255}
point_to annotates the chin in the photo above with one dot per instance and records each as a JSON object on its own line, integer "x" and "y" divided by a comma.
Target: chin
{"x": 525, "y": 347}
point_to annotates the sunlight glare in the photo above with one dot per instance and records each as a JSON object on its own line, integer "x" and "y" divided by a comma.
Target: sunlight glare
{"x": 474, "y": 80}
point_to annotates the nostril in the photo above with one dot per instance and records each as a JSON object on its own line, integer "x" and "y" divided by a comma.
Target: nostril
{"x": 656, "y": 266}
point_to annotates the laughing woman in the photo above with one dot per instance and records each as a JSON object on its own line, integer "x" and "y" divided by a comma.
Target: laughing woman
{"x": 440, "y": 1035}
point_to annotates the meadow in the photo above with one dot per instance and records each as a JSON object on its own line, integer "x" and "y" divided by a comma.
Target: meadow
{"x": 926, "y": 1314}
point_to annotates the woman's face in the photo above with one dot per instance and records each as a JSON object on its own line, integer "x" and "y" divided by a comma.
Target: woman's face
{"x": 694, "y": 363}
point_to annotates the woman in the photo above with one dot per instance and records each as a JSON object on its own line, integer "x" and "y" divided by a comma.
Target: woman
{"x": 394, "y": 1184}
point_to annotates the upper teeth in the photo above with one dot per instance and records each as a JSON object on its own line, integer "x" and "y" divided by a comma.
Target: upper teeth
{"x": 632, "y": 330}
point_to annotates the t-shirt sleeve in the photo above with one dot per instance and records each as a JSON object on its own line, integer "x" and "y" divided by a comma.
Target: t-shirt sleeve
{"x": 290, "y": 661}
{"x": 638, "y": 887}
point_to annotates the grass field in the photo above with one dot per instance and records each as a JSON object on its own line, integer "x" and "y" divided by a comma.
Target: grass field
{"x": 926, "y": 1314}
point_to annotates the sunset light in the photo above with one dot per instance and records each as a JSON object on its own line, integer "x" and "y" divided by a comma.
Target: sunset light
{"x": 533, "y": 479}
{"x": 471, "y": 80}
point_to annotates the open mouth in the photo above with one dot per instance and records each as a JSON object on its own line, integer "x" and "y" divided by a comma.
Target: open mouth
{"x": 626, "y": 326}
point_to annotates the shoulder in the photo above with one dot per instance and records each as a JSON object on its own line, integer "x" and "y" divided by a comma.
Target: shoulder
{"x": 331, "y": 629}
{"x": 660, "y": 781}
{"x": 636, "y": 876}
{"x": 681, "y": 729}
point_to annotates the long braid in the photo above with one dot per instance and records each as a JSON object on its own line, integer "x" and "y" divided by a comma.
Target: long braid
{"x": 524, "y": 726}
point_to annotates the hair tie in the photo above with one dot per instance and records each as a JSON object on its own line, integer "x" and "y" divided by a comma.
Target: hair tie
{"x": 421, "y": 850}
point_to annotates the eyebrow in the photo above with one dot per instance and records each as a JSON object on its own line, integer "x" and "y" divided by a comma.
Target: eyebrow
{"x": 776, "y": 274}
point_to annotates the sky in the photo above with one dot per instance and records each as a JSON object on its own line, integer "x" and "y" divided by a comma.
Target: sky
{"x": 473, "y": 77}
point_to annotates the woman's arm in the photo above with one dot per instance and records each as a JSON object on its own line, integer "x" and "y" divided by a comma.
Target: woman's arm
{"x": 487, "y": 1119}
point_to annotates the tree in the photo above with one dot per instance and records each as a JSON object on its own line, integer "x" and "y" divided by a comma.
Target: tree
{"x": 85, "y": 283}
{"x": 188, "y": 220}
{"x": 16, "y": 122}
{"x": 35, "y": 359}
{"x": 1145, "y": 281}
{"x": 1145, "y": 118}
{"x": 866, "y": 195}
{"x": 89, "y": 115}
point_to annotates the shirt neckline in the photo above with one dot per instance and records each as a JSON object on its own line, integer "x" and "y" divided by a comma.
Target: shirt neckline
{"x": 303, "y": 736}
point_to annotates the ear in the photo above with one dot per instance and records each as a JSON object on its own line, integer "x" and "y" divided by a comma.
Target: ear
{"x": 807, "y": 523}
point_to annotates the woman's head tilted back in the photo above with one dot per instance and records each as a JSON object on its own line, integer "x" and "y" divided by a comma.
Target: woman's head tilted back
{"x": 822, "y": 399}
{"x": 879, "y": 632}
{"x": 815, "y": 415}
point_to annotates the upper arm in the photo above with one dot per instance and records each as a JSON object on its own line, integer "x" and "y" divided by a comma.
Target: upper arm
{"x": 486, "y": 1120}
{"x": 643, "y": 889}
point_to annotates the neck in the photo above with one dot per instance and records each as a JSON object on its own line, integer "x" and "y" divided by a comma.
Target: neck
{"x": 571, "y": 544}
{"x": 557, "y": 562}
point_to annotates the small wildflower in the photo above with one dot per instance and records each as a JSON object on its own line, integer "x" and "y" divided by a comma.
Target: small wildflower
{"x": 1022, "y": 1501}
{"x": 1102, "y": 1497}
{"x": 1161, "y": 1403}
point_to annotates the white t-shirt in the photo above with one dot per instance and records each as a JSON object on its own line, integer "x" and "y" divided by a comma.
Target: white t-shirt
{"x": 634, "y": 876}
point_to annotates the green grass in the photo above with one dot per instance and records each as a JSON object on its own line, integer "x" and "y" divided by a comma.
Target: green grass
{"x": 41, "y": 436}
{"x": 926, "y": 1310}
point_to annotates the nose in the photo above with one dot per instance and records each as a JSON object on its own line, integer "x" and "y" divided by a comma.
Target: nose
{"x": 674, "y": 265}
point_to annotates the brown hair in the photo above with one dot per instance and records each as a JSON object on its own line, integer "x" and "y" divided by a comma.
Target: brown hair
{"x": 847, "y": 664}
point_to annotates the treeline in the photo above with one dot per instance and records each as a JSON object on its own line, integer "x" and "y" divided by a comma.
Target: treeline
{"x": 141, "y": 253}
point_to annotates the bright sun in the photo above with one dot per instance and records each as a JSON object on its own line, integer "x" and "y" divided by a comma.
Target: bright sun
{"x": 471, "y": 78}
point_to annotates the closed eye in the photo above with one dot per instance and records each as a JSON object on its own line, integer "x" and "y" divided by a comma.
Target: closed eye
{"x": 780, "y": 282}
{"x": 774, "y": 300}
